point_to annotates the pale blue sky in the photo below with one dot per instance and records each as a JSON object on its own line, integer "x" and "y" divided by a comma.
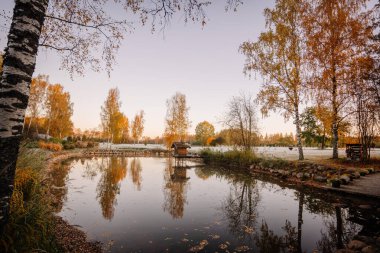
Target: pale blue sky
{"x": 204, "y": 64}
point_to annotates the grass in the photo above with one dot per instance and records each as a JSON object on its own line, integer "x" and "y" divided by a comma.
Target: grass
{"x": 237, "y": 158}
{"x": 30, "y": 227}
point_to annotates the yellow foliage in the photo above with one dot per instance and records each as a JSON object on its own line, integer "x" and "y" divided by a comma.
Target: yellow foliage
{"x": 25, "y": 182}
{"x": 50, "y": 146}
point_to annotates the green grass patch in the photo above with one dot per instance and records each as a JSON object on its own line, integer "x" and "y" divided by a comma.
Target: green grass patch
{"x": 237, "y": 158}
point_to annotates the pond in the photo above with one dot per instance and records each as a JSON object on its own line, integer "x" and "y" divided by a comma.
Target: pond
{"x": 150, "y": 205}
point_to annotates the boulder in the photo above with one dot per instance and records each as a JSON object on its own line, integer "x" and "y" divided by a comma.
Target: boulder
{"x": 344, "y": 179}
{"x": 356, "y": 174}
{"x": 369, "y": 249}
{"x": 356, "y": 245}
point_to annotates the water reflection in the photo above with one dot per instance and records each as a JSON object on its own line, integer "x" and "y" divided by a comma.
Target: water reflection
{"x": 137, "y": 202}
{"x": 113, "y": 170}
{"x": 175, "y": 189}
{"x": 135, "y": 169}
{"x": 239, "y": 208}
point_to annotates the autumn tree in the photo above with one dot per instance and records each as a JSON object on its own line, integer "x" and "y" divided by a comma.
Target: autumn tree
{"x": 241, "y": 119}
{"x": 203, "y": 131}
{"x": 59, "y": 110}
{"x": 138, "y": 126}
{"x": 278, "y": 55}
{"x": 124, "y": 126}
{"x": 337, "y": 33}
{"x": 177, "y": 120}
{"x": 37, "y": 96}
{"x": 112, "y": 119}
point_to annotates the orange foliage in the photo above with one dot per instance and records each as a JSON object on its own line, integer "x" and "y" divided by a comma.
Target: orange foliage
{"x": 50, "y": 146}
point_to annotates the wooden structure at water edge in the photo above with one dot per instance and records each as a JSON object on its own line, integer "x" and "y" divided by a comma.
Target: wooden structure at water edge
{"x": 180, "y": 153}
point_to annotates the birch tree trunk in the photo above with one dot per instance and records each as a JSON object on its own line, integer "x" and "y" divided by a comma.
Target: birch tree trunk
{"x": 334, "y": 119}
{"x": 298, "y": 132}
{"x": 18, "y": 67}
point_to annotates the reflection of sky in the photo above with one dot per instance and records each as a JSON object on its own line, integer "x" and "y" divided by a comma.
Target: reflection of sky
{"x": 139, "y": 216}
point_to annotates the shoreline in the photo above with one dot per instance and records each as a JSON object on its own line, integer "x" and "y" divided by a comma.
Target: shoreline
{"x": 69, "y": 237}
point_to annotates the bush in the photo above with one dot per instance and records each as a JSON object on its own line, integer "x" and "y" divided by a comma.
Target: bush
{"x": 50, "y": 146}
{"x": 68, "y": 145}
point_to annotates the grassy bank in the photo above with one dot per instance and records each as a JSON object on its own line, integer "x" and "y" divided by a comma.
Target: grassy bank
{"x": 237, "y": 158}
{"x": 30, "y": 228}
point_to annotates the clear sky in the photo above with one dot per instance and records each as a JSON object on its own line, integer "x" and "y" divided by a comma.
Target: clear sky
{"x": 203, "y": 63}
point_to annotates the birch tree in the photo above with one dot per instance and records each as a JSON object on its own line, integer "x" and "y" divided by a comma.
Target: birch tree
{"x": 177, "y": 120}
{"x": 37, "y": 96}
{"x": 111, "y": 116}
{"x": 138, "y": 126}
{"x": 336, "y": 32}
{"x": 278, "y": 56}
{"x": 59, "y": 110}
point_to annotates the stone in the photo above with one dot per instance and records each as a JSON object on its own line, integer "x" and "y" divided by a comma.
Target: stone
{"x": 371, "y": 170}
{"x": 320, "y": 179}
{"x": 306, "y": 175}
{"x": 345, "y": 179}
{"x": 356, "y": 245}
{"x": 356, "y": 174}
{"x": 369, "y": 249}
{"x": 299, "y": 175}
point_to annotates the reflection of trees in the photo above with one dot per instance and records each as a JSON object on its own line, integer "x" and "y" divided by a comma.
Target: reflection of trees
{"x": 203, "y": 173}
{"x": 175, "y": 189}
{"x": 108, "y": 187}
{"x": 301, "y": 199}
{"x": 338, "y": 233}
{"x": 267, "y": 241}
{"x": 57, "y": 179}
{"x": 240, "y": 208}
{"x": 135, "y": 169}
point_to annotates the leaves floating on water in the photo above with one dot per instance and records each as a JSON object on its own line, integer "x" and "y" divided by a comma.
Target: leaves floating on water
{"x": 248, "y": 230}
{"x": 242, "y": 248}
{"x": 184, "y": 240}
{"x": 199, "y": 247}
{"x": 214, "y": 237}
{"x": 223, "y": 246}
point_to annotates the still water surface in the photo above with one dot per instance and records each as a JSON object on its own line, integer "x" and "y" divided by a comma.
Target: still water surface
{"x": 149, "y": 205}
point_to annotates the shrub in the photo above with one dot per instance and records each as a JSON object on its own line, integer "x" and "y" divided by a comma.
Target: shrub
{"x": 50, "y": 146}
{"x": 68, "y": 145}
